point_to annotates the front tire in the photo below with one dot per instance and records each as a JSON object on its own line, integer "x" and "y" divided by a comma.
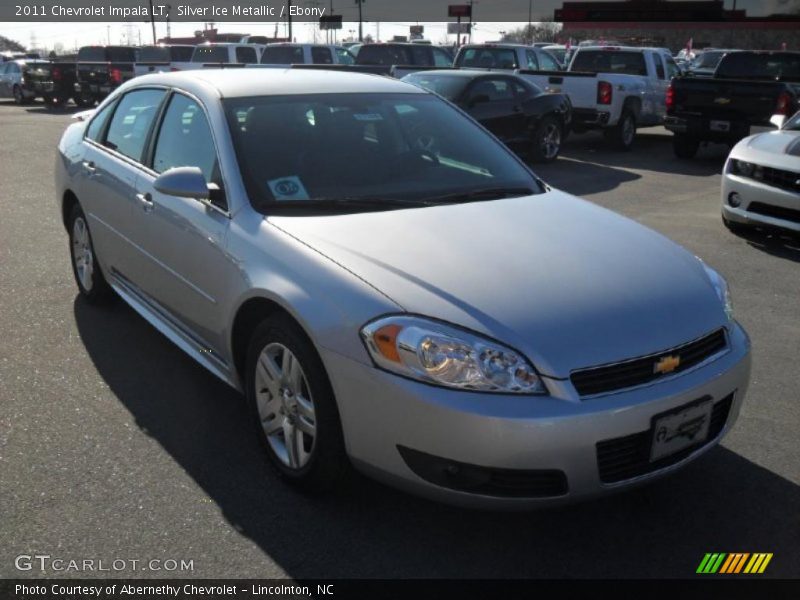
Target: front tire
{"x": 623, "y": 133}
{"x": 685, "y": 146}
{"x": 293, "y": 406}
{"x": 91, "y": 283}
{"x": 19, "y": 98}
{"x": 546, "y": 140}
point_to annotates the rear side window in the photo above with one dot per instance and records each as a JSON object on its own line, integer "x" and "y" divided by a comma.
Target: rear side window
{"x": 609, "y": 61}
{"x": 282, "y": 55}
{"x": 321, "y": 55}
{"x": 530, "y": 58}
{"x": 130, "y": 125}
{"x": 659, "y": 66}
{"x": 95, "y": 129}
{"x": 209, "y": 54}
{"x": 245, "y": 54}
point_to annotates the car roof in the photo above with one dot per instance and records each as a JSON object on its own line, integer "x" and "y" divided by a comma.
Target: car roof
{"x": 233, "y": 83}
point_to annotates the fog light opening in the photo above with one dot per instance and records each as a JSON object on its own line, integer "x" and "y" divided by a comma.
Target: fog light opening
{"x": 734, "y": 199}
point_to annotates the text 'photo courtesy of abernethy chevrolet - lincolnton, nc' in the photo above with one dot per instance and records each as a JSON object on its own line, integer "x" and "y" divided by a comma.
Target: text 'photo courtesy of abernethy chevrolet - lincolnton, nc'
{"x": 374, "y": 266}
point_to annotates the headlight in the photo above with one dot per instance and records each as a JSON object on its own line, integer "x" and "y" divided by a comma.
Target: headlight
{"x": 721, "y": 287}
{"x": 444, "y": 355}
{"x": 743, "y": 168}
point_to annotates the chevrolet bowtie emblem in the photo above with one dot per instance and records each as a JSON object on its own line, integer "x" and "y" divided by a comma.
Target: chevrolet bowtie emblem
{"x": 666, "y": 365}
{"x": 722, "y": 100}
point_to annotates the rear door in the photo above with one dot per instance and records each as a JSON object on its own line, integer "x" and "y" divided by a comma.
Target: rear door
{"x": 114, "y": 145}
{"x": 182, "y": 240}
{"x": 492, "y": 102}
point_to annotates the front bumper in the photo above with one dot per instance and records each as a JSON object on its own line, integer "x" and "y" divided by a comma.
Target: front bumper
{"x": 760, "y": 205}
{"x": 385, "y": 416}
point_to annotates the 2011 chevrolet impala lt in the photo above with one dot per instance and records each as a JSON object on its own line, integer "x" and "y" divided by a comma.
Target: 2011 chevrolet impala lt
{"x": 392, "y": 289}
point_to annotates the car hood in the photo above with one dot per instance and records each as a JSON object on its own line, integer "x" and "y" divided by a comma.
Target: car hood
{"x": 567, "y": 282}
{"x": 779, "y": 149}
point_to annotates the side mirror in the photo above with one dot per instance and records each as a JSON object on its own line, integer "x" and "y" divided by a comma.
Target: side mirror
{"x": 186, "y": 182}
{"x": 479, "y": 99}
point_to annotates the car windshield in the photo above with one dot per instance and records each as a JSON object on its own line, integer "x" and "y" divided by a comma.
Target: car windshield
{"x": 707, "y": 60}
{"x": 449, "y": 86}
{"x": 793, "y": 124}
{"x": 368, "y": 147}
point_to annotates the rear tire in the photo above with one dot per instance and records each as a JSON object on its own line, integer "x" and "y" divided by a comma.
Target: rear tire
{"x": 293, "y": 407}
{"x": 546, "y": 140}
{"x": 685, "y": 146}
{"x": 623, "y": 133}
{"x": 91, "y": 282}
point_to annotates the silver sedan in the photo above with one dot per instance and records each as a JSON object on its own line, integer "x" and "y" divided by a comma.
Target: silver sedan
{"x": 393, "y": 290}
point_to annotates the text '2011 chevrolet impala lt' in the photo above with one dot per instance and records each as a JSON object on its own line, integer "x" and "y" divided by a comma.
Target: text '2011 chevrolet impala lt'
{"x": 393, "y": 290}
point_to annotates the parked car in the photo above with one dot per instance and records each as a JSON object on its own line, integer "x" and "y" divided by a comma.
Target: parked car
{"x": 761, "y": 181}
{"x": 306, "y": 54}
{"x": 614, "y": 89}
{"x": 15, "y": 79}
{"x": 506, "y": 56}
{"x": 54, "y": 82}
{"x": 164, "y": 57}
{"x": 416, "y": 303}
{"x": 705, "y": 63}
{"x": 516, "y": 111}
{"x": 749, "y": 88}
{"x": 397, "y": 53}
{"x": 100, "y": 70}
{"x": 226, "y": 54}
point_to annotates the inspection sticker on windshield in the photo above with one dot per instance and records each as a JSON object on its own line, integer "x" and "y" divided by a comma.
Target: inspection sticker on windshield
{"x": 368, "y": 116}
{"x": 288, "y": 188}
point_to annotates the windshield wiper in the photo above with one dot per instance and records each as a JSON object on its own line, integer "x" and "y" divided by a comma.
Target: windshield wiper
{"x": 345, "y": 202}
{"x": 481, "y": 194}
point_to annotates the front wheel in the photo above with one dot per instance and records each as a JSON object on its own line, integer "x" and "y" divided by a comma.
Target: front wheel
{"x": 293, "y": 406}
{"x": 19, "y": 98}
{"x": 623, "y": 133}
{"x": 546, "y": 140}
{"x": 91, "y": 283}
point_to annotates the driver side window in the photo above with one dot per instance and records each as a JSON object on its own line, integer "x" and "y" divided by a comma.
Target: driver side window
{"x": 185, "y": 140}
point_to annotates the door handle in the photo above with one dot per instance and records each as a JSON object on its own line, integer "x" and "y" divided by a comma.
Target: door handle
{"x": 89, "y": 166}
{"x": 146, "y": 201}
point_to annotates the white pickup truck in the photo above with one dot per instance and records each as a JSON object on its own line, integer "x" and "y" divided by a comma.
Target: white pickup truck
{"x": 613, "y": 88}
{"x": 289, "y": 53}
{"x": 225, "y": 55}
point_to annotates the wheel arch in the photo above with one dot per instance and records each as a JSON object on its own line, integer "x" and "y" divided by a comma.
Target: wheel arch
{"x": 68, "y": 200}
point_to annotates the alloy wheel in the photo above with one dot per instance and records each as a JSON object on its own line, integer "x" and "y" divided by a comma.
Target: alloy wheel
{"x": 550, "y": 141}
{"x": 82, "y": 255}
{"x": 285, "y": 405}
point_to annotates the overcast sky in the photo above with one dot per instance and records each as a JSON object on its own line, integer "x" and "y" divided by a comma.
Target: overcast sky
{"x": 84, "y": 33}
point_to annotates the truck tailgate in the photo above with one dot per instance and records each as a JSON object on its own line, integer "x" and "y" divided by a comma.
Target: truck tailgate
{"x": 580, "y": 87}
{"x": 725, "y": 99}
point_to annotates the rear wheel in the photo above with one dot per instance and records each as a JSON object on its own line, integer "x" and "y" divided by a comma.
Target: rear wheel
{"x": 623, "y": 133}
{"x": 293, "y": 406}
{"x": 685, "y": 146}
{"x": 546, "y": 140}
{"x": 91, "y": 283}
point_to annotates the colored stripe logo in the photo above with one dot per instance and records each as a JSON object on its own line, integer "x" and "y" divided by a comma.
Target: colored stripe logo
{"x": 734, "y": 563}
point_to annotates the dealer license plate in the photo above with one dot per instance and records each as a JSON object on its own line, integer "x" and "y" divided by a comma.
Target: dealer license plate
{"x": 681, "y": 428}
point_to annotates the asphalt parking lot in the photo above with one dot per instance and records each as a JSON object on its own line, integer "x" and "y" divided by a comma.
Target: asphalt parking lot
{"x": 114, "y": 444}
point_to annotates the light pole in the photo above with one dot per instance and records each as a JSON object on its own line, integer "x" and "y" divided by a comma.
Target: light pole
{"x": 153, "y": 22}
{"x": 530, "y": 14}
{"x": 360, "y": 21}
